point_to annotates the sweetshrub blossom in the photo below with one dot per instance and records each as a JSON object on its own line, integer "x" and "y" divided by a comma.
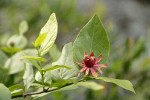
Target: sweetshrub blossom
{"x": 90, "y": 64}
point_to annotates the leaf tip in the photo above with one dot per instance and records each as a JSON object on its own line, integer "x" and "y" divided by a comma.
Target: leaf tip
{"x": 53, "y": 15}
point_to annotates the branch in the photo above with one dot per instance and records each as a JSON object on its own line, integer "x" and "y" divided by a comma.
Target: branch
{"x": 44, "y": 91}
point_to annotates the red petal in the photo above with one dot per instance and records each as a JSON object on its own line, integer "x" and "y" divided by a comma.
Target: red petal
{"x": 83, "y": 69}
{"x": 103, "y": 65}
{"x": 85, "y": 54}
{"x": 93, "y": 72}
{"x": 87, "y": 72}
{"x": 92, "y": 54}
{"x": 98, "y": 68}
{"x": 81, "y": 64}
{"x": 100, "y": 71}
{"x": 98, "y": 59}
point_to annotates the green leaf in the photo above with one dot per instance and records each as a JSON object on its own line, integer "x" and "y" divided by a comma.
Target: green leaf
{"x": 34, "y": 63}
{"x": 16, "y": 89}
{"x": 61, "y": 83}
{"x": 40, "y": 39}
{"x": 28, "y": 77}
{"x": 70, "y": 87}
{"x": 10, "y": 50}
{"x": 15, "y": 64}
{"x": 50, "y": 29}
{"x": 3, "y": 58}
{"x": 65, "y": 59}
{"x": 16, "y": 86}
{"x": 38, "y": 77}
{"x": 23, "y": 27}
{"x": 54, "y": 52}
{"x": 37, "y": 85}
{"x": 122, "y": 83}
{"x": 4, "y": 93}
{"x": 64, "y": 82}
{"x": 17, "y": 92}
{"x": 34, "y": 58}
{"x": 92, "y": 38}
{"x": 56, "y": 67}
{"x": 91, "y": 85}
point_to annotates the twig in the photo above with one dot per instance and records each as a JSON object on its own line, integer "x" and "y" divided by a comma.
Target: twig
{"x": 44, "y": 91}
{"x": 34, "y": 93}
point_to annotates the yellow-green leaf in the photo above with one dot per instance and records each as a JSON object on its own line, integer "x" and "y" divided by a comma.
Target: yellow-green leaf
{"x": 40, "y": 39}
{"x": 34, "y": 58}
{"x": 56, "y": 67}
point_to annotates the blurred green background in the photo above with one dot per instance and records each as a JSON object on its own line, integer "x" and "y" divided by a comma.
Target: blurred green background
{"x": 126, "y": 21}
